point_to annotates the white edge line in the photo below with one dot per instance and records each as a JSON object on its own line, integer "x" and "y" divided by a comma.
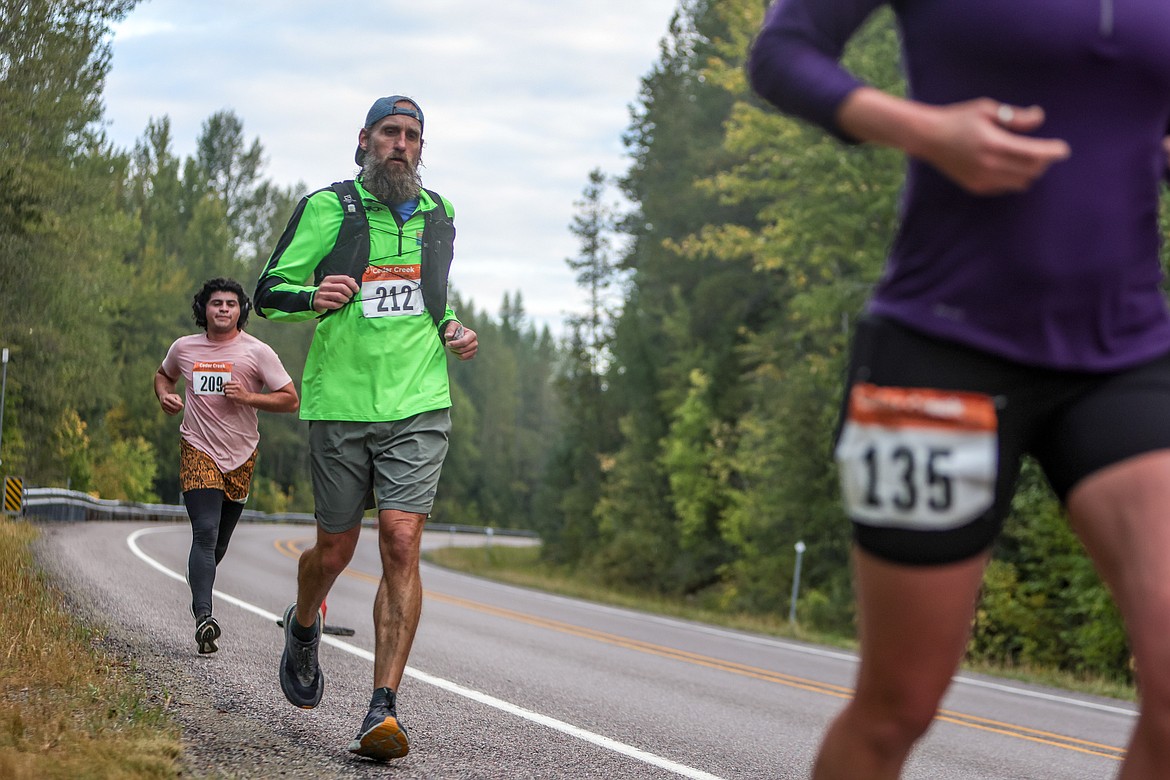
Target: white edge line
{"x": 452, "y": 687}
{"x": 565, "y": 728}
{"x": 1092, "y": 705}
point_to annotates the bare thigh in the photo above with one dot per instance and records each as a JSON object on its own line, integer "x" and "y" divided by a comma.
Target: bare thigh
{"x": 914, "y": 625}
{"x": 1122, "y": 515}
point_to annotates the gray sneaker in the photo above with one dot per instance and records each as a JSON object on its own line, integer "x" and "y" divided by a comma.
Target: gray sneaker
{"x": 206, "y": 633}
{"x": 381, "y": 737}
{"x": 300, "y": 674}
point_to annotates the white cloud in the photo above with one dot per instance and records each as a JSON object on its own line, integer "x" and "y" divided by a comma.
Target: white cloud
{"x": 139, "y": 27}
{"x": 522, "y": 99}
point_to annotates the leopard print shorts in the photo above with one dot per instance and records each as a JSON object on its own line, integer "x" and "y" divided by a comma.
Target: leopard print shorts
{"x": 198, "y": 471}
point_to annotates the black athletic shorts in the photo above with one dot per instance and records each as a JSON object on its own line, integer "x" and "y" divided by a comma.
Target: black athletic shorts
{"x": 931, "y": 436}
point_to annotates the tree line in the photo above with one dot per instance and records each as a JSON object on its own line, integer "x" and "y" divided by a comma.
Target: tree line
{"x": 101, "y": 250}
{"x": 675, "y": 440}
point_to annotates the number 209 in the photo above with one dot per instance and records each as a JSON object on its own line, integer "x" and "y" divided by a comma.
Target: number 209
{"x": 209, "y": 383}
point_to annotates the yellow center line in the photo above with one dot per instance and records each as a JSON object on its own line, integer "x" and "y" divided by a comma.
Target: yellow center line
{"x": 1033, "y": 735}
{"x": 290, "y": 548}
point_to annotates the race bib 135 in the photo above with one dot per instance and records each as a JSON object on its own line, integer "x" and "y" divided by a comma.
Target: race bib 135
{"x": 917, "y": 458}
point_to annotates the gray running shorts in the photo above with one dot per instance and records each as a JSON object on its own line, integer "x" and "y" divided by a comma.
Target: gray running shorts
{"x": 388, "y": 465}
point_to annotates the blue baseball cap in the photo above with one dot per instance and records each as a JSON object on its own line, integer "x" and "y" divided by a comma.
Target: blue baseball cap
{"x": 388, "y": 106}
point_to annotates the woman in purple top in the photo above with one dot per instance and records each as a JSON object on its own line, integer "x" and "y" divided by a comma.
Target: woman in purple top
{"x": 1020, "y": 312}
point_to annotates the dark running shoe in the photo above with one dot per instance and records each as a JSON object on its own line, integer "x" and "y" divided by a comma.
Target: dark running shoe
{"x": 206, "y": 632}
{"x": 382, "y": 737}
{"x": 300, "y": 674}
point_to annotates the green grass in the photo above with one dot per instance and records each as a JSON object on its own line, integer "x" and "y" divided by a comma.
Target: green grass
{"x": 67, "y": 709}
{"x": 523, "y": 566}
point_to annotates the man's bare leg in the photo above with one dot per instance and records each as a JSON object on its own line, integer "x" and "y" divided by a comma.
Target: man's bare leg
{"x": 398, "y": 605}
{"x": 319, "y": 567}
{"x": 397, "y": 609}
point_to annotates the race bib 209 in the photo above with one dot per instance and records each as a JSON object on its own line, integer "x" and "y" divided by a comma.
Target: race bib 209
{"x": 209, "y": 377}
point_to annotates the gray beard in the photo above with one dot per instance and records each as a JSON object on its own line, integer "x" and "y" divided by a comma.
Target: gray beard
{"x": 390, "y": 183}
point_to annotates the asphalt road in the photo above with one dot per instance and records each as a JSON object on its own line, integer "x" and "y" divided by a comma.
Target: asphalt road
{"x": 505, "y": 682}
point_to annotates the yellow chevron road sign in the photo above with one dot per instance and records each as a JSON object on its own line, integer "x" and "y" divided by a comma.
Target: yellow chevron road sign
{"x": 13, "y": 495}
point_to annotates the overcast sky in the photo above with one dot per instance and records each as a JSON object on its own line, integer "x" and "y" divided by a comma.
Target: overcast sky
{"x": 522, "y": 99}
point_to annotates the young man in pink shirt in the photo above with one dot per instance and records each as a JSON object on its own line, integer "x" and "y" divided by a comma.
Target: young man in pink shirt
{"x": 225, "y": 371}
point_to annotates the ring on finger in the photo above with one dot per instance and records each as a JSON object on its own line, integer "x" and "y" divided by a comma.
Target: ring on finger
{"x": 1005, "y": 113}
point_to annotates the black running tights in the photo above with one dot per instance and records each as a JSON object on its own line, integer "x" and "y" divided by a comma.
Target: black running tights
{"x": 213, "y": 518}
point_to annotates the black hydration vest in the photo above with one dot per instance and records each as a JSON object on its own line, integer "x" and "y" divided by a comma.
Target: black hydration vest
{"x": 351, "y": 251}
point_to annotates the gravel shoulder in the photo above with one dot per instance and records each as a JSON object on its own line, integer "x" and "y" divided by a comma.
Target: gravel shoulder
{"x": 227, "y": 708}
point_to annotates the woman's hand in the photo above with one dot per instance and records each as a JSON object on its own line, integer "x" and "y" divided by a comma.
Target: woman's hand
{"x": 981, "y": 146}
{"x": 978, "y": 144}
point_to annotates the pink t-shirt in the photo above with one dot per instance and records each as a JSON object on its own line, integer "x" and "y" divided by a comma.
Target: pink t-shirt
{"x": 212, "y": 423}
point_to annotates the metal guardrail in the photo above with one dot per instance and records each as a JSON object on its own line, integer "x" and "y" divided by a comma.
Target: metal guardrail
{"x": 74, "y": 506}
{"x": 61, "y": 505}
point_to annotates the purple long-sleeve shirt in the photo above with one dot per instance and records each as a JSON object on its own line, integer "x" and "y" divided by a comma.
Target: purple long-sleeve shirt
{"x": 1065, "y": 275}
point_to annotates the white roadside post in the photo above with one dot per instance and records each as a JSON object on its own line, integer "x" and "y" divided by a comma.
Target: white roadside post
{"x": 3, "y": 385}
{"x": 800, "y": 548}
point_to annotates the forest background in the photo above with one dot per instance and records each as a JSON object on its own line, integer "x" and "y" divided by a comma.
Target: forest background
{"x": 674, "y": 441}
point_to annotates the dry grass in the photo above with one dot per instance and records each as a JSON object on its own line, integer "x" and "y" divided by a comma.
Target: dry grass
{"x": 67, "y": 710}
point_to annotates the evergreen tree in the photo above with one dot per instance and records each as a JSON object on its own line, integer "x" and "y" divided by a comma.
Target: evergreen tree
{"x": 686, "y": 312}
{"x": 576, "y": 470}
{"x": 505, "y": 421}
{"x": 61, "y": 232}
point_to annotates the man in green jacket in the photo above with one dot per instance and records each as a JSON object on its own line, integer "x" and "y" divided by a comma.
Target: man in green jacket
{"x": 376, "y": 393}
